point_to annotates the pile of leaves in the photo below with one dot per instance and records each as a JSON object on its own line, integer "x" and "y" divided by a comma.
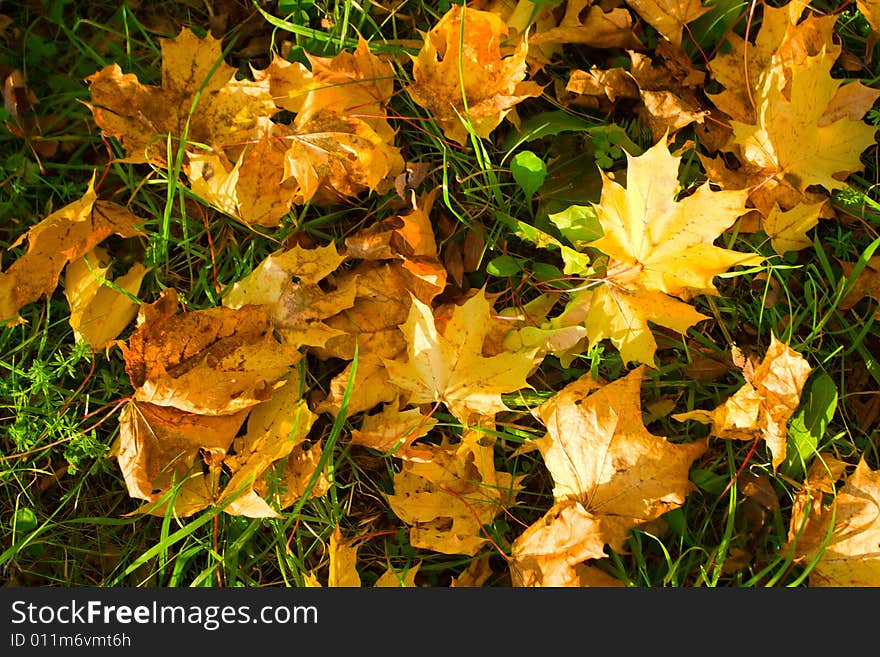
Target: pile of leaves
{"x": 440, "y": 351}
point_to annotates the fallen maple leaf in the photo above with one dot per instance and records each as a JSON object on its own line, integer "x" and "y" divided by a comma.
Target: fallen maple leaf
{"x": 340, "y": 142}
{"x": 160, "y": 446}
{"x": 871, "y": 11}
{"x": 332, "y": 156}
{"x": 796, "y": 131}
{"x": 254, "y": 190}
{"x": 381, "y": 303}
{"x": 199, "y": 99}
{"x": 285, "y": 283}
{"x": 841, "y": 536}
{"x": 761, "y": 408}
{"x": 394, "y": 431}
{"x": 392, "y": 579}
{"x": 446, "y": 500}
{"x": 449, "y": 367}
{"x": 669, "y": 17}
{"x": 782, "y": 41}
{"x": 664, "y": 243}
{"x": 793, "y": 136}
{"x": 659, "y": 247}
{"x": 355, "y": 85}
{"x": 461, "y": 77}
{"x": 667, "y": 89}
{"x": 99, "y": 313}
{"x": 549, "y": 551}
{"x": 548, "y": 31}
{"x": 66, "y": 234}
{"x": 274, "y": 428}
{"x": 609, "y": 473}
{"x": 215, "y": 361}
{"x": 343, "y": 562}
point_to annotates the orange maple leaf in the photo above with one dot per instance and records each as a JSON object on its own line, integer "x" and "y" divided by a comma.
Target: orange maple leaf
{"x": 216, "y": 361}
{"x": 461, "y": 77}
{"x": 199, "y": 98}
{"x": 65, "y": 235}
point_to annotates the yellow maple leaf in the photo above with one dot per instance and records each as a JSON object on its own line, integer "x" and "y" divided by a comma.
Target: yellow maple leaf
{"x": 392, "y": 579}
{"x": 793, "y": 137}
{"x": 449, "y": 367}
{"x": 842, "y": 536}
{"x": 286, "y": 284}
{"x": 254, "y": 189}
{"x": 99, "y": 313}
{"x": 332, "y": 156}
{"x": 796, "y": 132}
{"x": 340, "y": 143}
{"x": 549, "y": 551}
{"x": 461, "y": 77}
{"x": 659, "y": 248}
{"x": 610, "y": 475}
{"x": 274, "y": 428}
{"x": 160, "y": 446}
{"x": 355, "y": 85}
{"x": 343, "y": 562}
{"x": 446, "y": 499}
{"x": 582, "y": 22}
{"x": 664, "y": 243}
{"x": 781, "y": 42}
{"x": 762, "y": 407}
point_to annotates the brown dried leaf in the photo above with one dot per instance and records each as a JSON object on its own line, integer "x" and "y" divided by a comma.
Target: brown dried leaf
{"x": 216, "y": 361}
